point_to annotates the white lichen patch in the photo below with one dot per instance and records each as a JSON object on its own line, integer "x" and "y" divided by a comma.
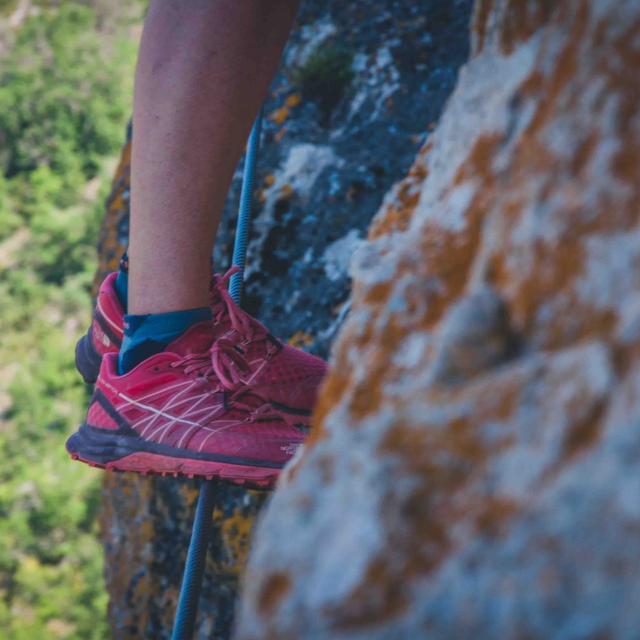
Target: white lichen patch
{"x": 300, "y": 170}
{"x": 611, "y": 269}
{"x": 337, "y": 256}
{"x": 376, "y": 78}
{"x": 295, "y": 177}
{"x": 485, "y": 89}
{"x": 311, "y": 37}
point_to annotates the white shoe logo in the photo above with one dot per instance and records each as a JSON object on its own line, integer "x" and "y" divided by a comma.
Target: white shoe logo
{"x": 290, "y": 449}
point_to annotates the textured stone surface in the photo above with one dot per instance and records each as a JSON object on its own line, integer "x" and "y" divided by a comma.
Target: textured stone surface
{"x": 474, "y": 470}
{"x": 323, "y": 172}
{"x": 324, "y": 168}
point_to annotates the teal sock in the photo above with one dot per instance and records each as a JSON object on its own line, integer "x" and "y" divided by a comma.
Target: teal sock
{"x": 122, "y": 281}
{"x": 146, "y": 335}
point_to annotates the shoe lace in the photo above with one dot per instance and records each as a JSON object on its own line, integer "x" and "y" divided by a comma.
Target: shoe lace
{"x": 255, "y": 407}
{"x": 228, "y": 358}
{"x": 198, "y": 363}
{"x": 209, "y": 363}
{"x": 223, "y": 306}
{"x": 228, "y": 362}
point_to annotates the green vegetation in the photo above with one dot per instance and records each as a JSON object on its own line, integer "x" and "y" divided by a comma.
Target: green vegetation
{"x": 325, "y": 76}
{"x": 65, "y": 94}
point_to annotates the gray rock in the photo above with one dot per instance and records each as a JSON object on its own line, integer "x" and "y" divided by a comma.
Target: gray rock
{"x": 456, "y": 486}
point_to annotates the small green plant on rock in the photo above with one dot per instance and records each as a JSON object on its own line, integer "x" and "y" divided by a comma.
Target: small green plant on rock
{"x": 325, "y": 76}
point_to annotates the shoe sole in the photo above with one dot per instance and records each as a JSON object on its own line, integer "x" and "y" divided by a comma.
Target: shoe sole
{"x": 114, "y": 450}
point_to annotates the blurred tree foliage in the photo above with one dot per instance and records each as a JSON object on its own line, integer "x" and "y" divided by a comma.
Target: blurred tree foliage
{"x": 65, "y": 95}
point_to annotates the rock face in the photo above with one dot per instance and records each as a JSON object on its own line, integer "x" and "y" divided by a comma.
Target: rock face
{"x": 474, "y": 471}
{"x": 360, "y": 86}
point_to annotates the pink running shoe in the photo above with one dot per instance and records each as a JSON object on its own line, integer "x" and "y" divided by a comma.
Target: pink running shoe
{"x": 170, "y": 416}
{"x": 244, "y": 354}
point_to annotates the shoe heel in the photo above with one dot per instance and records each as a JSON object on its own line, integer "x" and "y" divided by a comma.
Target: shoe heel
{"x": 87, "y": 359}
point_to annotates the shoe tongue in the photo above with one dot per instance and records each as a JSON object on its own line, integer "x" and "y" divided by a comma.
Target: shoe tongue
{"x": 196, "y": 339}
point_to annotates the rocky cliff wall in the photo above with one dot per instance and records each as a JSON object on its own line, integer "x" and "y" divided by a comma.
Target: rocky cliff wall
{"x": 360, "y": 86}
{"x": 474, "y": 469}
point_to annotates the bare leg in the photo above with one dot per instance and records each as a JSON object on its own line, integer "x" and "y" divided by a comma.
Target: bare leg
{"x": 203, "y": 69}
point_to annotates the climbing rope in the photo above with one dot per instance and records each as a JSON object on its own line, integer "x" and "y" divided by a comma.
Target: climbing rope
{"x": 244, "y": 211}
{"x": 196, "y": 556}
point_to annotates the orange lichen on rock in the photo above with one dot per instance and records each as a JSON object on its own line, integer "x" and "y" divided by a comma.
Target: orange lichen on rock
{"x": 279, "y": 115}
{"x": 293, "y": 100}
{"x": 522, "y": 19}
{"x": 402, "y": 204}
{"x": 482, "y": 414}
{"x": 483, "y": 10}
{"x": 300, "y": 339}
{"x": 273, "y": 590}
